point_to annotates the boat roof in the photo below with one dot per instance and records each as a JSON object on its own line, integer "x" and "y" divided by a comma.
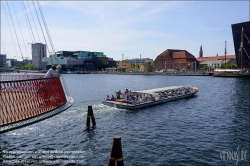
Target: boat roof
{"x": 227, "y": 70}
{"x": 160, "y": 89}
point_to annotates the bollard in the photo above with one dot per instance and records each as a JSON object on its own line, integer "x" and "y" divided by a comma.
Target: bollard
{"x": 90, "y": 115}
{"x": 116, "y": 153}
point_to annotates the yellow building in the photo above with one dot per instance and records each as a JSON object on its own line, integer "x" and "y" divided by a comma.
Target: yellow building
{"x": 123, "y": 66}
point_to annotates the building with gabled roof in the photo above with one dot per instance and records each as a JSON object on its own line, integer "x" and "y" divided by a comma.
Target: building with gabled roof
{"x": 175, "y": 59}
{"x": 216, "y": 61}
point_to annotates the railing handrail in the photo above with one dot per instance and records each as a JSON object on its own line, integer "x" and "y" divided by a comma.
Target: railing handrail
{"x": 27, "y": 80}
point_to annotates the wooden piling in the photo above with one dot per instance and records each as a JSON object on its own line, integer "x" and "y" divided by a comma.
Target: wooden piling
{"x": 90, "y": 115}
{"x": 116, "y": 153}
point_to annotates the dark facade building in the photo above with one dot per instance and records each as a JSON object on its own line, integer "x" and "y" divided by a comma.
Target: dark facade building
{"x": 175, "y": 59}
{"x": 241, "y": 36}
{"x": 79, "y": 60}
{"x": 3, "y": 60}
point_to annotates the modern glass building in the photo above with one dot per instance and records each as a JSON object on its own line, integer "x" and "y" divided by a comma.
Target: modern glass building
{"x": 78, "y": 60}
{"x": 2, "y": 60}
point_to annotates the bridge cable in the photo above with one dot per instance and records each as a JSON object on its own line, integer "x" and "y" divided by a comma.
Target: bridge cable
{"x": 29, "y": 23}
{"x": 20, "y": 30}
{"x": 26, "y": 20}
{"x": 14, "y": 30}
{"x": 34, "y": 22}
{"x": 45, "y": 24}
{"x": 10, "y": 31}
{"x": 56, "y": 58}
{"x": 41, "y": 27}
{"x": 37, "y": 49}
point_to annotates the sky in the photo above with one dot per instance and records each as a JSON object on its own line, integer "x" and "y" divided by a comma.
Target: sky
{"x": 116, "y": 28}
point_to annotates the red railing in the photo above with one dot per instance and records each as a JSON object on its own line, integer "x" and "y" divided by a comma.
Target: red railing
{"x": 28, "y": 96}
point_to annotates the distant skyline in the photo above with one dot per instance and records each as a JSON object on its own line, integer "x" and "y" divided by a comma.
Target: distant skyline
{"x": 131, "y": 28}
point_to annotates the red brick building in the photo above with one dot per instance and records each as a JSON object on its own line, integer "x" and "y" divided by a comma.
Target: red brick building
{"x": 175, "y": 59}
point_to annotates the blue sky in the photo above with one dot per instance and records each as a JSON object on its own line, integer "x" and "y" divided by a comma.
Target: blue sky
{"x": 132, "y": 28}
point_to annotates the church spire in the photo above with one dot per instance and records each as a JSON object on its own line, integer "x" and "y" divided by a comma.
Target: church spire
{"x": 201, "y": 52}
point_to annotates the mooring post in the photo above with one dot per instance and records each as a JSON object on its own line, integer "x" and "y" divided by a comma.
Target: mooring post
{"x": 90, "y": 115}
{"x": 116, "y": 153}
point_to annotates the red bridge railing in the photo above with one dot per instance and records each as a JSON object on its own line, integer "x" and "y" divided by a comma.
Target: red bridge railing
{"x": 23, "y": 97}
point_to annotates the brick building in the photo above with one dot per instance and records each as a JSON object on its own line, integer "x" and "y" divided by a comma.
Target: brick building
{"x": 175, "y": 59}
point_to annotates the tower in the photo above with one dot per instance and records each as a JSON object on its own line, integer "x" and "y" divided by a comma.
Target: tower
{"x": 38, "y": 51}
{"x": 201, "y": 52}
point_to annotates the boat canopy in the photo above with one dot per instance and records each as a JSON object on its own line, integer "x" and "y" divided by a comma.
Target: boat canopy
{"x": 156, "y": 90}
{"x": 227, "y": 70}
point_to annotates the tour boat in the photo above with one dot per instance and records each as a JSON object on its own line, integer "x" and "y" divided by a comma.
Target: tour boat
{"x": 158, "y": 96}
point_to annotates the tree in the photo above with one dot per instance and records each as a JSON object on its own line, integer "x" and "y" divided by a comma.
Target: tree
{"x": 205, "y": 67}
{"x": 29, "y": 67}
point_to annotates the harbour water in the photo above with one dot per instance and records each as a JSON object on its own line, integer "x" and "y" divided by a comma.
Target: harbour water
{"x": 201, "y": 130}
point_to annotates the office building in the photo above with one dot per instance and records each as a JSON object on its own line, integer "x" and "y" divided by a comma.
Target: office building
{"x": 38, "y": 51}
{"x": 3, "y": 60}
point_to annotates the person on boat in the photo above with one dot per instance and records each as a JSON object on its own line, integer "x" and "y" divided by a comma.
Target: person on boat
{"x": 51, "y": 72}
{"x": 141, "y": 100}
{"x": 137, "y": 101}
{"x": 58, "y": 68}
{"x": 145, "y": 97}
{"x": 130, "y": 92}
{"x": 130, "y": 99}
{"x": 161, "y": 95}
{"x": 150, "y": 98}
{"x": 153, "y": 98}
{"x": 112, "y": 98}
{"x": 119, "y": 93}
{"x": 126, "y": 91}
{"x": 107, "y": 98}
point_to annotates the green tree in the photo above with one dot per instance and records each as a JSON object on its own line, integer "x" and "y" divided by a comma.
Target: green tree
{"x": 29, "y": 67}
{"x": 205, "y": 67}
{"x": 132, "y": 67}
{"x": 153, "y": 66}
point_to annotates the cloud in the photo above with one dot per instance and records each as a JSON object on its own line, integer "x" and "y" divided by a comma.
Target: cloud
{"x": 131, "y": 28}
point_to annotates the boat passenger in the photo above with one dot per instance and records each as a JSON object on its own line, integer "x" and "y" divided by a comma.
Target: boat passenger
{"x": 150, "y": 98}
{"x": 58, "y": 68}
{"x": 130, "y": 99}
{"x": 118, "y": 94}
{"x": 126, "y": 91}
{"x": 51, "y": 72}
{"x": 153, "y": 98}
{"x": 137, "y": 101}
{"x": 107, "y": 98}
{"x": 141, "y": 100}
{"x": 146, "y": 98}
{"x": 112, "y": 98}
{"x": 161, "y": 95}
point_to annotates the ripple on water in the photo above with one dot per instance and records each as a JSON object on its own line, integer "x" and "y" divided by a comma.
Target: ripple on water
{"x": 190, "y": 131}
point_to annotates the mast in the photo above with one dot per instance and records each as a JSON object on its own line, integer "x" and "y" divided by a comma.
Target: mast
{"x": 225, "y": 53}
{"x": 241, "y": 47}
